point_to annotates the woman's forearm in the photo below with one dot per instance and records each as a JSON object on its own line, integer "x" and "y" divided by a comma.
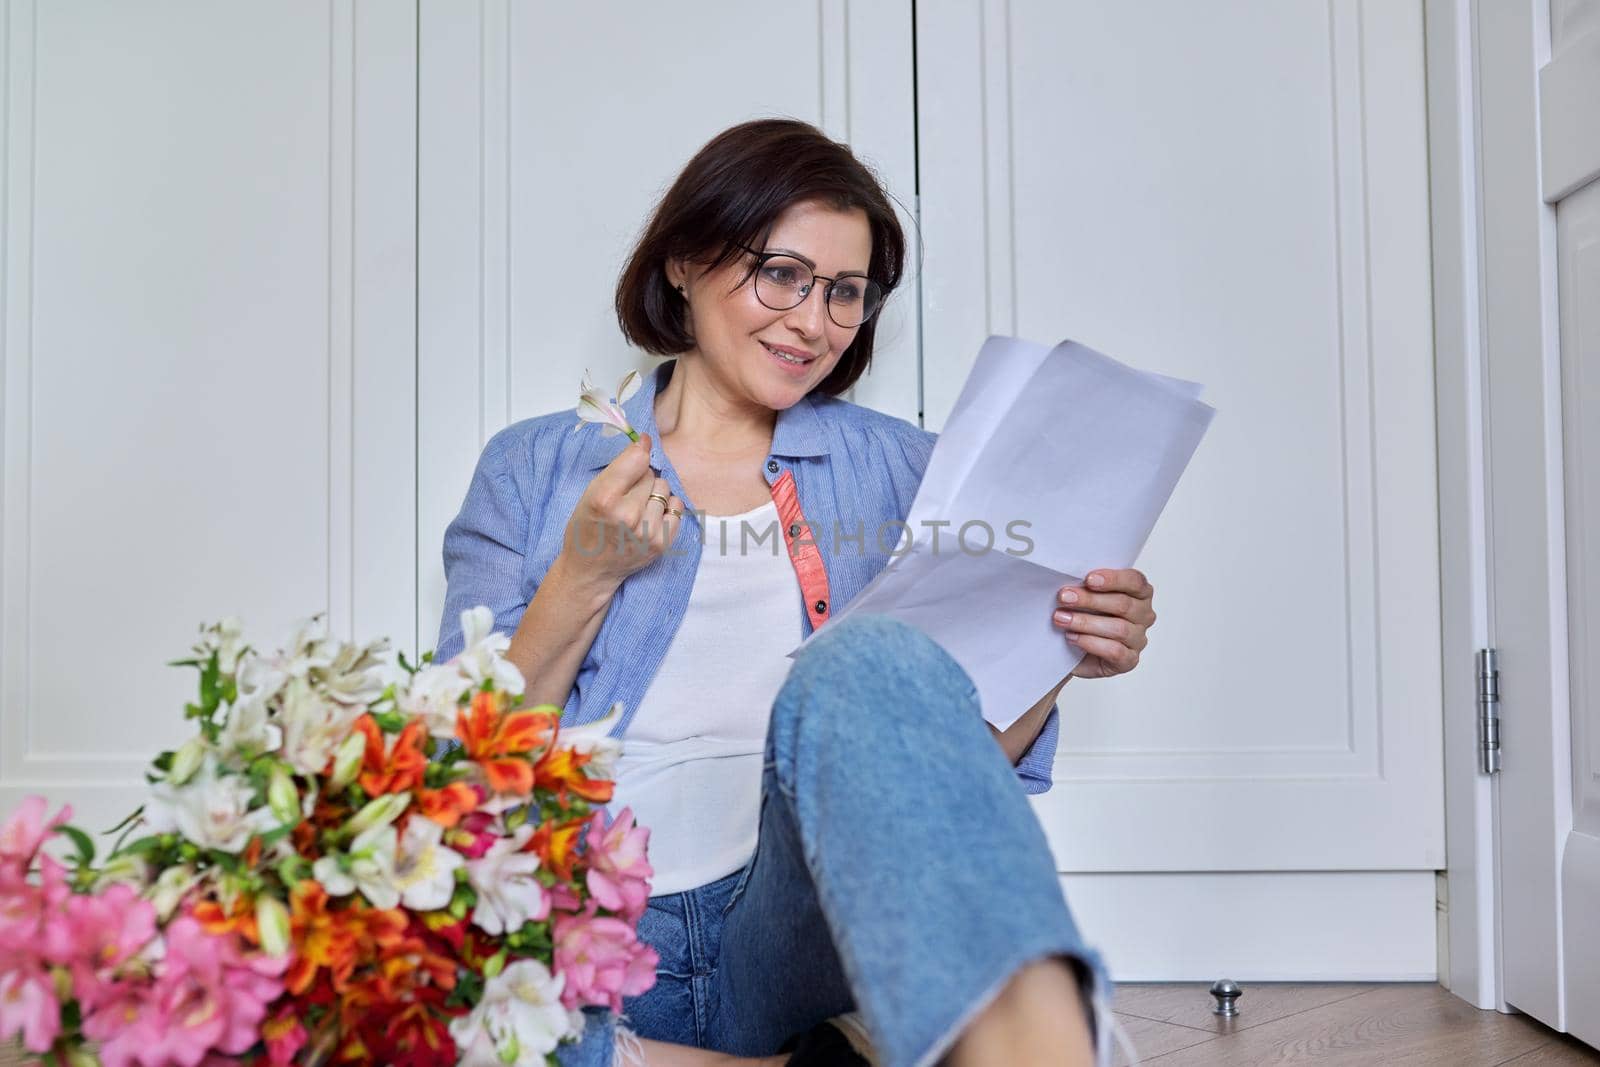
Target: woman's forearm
{"x": 1016, "y": 738}
{"x": 555, "y": 634}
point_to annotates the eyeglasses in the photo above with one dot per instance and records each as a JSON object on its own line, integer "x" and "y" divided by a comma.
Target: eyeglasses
{"x": 783, "y": 282}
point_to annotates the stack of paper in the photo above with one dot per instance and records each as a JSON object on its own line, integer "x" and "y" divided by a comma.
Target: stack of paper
{"x": 1058, "y": 462}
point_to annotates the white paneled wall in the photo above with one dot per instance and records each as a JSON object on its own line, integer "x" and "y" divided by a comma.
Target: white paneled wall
{"x": 209, "y": 378}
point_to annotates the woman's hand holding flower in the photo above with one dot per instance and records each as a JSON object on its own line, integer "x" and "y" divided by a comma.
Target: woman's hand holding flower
{"x": 1110, "y": 620}
{"x": 620, "y": 524}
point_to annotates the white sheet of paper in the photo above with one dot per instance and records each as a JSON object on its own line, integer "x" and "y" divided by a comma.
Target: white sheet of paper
{"x": 1083, "y": 450}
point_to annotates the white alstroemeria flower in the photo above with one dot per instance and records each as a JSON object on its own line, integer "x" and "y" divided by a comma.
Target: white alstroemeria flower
{"x": 249, "y": 729}
{"x": 519, "y": 1020}
{"x": 309, "y": 648}
{"x": 424, "y": 867}
{"x": 223, "y": 638}
{"x": 483, "y": 654}
{"x": 508, "y": 893}
{"x": 313, "y": 726}
{"x": 355, "y": 675}
{"x": 435, "y": 694}
{"x": 371, "y": 869}
{"x": 592, "y": 739}
{"x": 211, "y": 810}
{"x": 595, "y": 406}
{"x": 260, "y": 679}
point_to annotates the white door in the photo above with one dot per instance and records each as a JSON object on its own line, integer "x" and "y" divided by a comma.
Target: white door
{"x": 1539, "y": 71}
{"x": 1234, "y": 194}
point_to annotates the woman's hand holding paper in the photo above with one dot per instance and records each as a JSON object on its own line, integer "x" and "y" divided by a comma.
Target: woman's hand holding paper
{"x": 1110, "y": 620}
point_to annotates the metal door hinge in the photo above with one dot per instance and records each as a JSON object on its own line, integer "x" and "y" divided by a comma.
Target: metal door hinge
{"x": 1488, "y": 711}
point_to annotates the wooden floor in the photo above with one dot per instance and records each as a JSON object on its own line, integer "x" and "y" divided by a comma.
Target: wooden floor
{"x": 1421, "y": 1024}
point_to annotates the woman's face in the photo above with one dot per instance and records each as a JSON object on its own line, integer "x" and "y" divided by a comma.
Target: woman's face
{"x": 736, "y": 335}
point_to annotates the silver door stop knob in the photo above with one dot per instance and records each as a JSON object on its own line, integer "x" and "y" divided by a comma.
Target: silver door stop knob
{"x": 1227, "y": 992}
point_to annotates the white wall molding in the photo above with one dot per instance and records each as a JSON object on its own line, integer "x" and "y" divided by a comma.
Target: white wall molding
{"x": 1259, "y": 926}
{"x": 209, "y": 382}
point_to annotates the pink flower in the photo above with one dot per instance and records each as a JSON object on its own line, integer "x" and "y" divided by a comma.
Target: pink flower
{"x": 564, "y": 898}
{"x": 284, "y": 1035}
{"x": 28, "y": 1005}
{"x": 104, "y": 931}
{"x": 115, "y": 1023}
{"x": 25, "y": 910}
{"x": 475, "y": 834}
{"x": 602, "y": 959}
{"x": 32, "y": 922}
{"x": 619, "y": 874}
{"x": 207, "y": 996}
{"x": 24, "y": 832}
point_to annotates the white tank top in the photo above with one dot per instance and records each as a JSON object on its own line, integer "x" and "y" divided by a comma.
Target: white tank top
{"x": 692, "y": 753}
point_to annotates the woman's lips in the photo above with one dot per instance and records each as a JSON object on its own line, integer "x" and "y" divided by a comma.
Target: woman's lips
{"x": 796, "y": 370}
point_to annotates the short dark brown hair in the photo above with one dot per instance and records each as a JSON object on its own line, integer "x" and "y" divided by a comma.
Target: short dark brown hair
{"x": 730, "y": 194}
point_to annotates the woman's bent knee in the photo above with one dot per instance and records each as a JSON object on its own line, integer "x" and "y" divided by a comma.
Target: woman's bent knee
{"x": 879, "y": 663}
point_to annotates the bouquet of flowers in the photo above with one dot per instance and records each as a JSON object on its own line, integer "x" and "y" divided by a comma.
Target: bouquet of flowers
{"x": 351, "y": 861}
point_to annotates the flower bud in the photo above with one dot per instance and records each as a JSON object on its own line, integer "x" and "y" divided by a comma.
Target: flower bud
{"x": 272, "y": 920}
{"x": 347, "y": 761}
{"x": 186, "y": 761}
{"x": 283, "y": 798}
{"x": 123, "y": 869}
{"x": 378, "y": 812}
{"x": 171, "y": 887}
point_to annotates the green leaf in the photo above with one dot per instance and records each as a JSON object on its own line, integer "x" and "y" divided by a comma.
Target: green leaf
{"x": 272, "y": 837}
{"x": 82, "y": 841}
{"x": 211, "y": 683}
{"x": 142, "y": 844}
{"x": 133, "y": 817}
{"x": 390, "y": 722}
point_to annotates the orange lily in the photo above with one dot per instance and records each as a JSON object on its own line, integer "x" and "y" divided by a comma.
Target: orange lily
{"x": 335, "y": 940}
{"x": 556, "y": 846}
{"x": 561, "y": 771}
{"x": 447, "y": 805}
{"x": 242, "y": 920}
{"x": 501, "y": 742}
{"x": 392, "y": 770}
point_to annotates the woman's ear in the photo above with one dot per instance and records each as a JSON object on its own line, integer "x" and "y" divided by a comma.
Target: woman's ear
{"x": 675, "y": 272}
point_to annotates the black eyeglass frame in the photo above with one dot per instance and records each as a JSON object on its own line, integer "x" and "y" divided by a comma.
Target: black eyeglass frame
{"x": 827, "y": 292}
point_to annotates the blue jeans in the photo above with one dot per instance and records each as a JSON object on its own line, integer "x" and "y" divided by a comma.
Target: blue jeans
{"x": 899, "y": 871}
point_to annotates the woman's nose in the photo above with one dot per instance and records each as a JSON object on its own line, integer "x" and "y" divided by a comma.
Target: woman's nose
{"x": 810, "y": 316}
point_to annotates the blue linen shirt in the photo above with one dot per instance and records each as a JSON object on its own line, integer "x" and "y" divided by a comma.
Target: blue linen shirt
{"x": 855, "y": 471}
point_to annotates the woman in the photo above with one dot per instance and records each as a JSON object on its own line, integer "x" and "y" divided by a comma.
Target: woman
{"x": 900, "y": 872}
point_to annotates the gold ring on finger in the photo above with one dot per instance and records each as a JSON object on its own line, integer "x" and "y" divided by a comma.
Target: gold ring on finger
{"x": 657, "y": 496}
{"x": 675, "y": 511}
